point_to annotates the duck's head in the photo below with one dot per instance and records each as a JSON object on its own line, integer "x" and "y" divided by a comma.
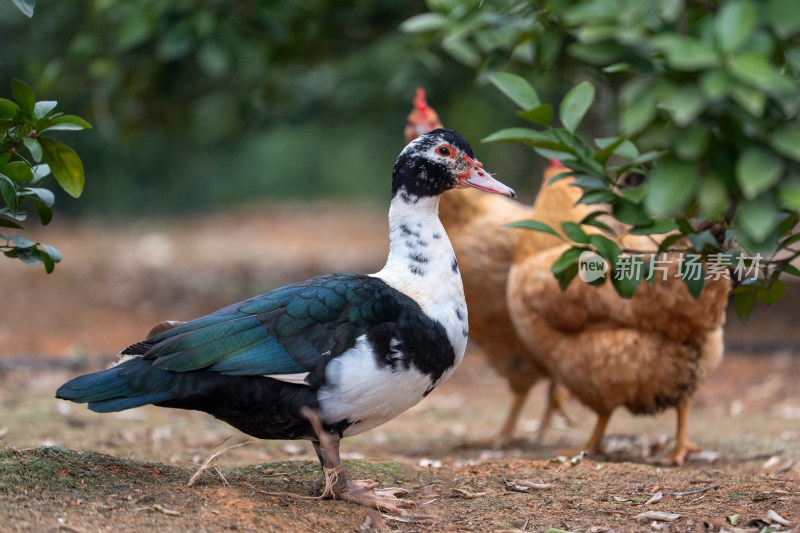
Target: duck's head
{"x": 439, "y": 161}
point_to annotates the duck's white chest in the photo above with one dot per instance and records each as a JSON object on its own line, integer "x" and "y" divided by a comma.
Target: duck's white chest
{"x": 423, "y": 266}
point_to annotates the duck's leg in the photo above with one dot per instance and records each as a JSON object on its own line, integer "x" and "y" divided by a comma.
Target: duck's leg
{"x": 336, "y": 484}
{"x": 682, "y": 444}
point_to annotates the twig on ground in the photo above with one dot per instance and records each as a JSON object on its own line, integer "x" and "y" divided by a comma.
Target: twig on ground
{"x": 216, "y": 452}
{"x": 160, "y": 509}
{"x": 68, "y": 527}
{"x": 468, "y": 495}
{"x": 686, "y": 493}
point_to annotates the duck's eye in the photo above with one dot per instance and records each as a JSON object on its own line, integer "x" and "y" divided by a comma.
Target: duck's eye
{"x": 443, "y": 150}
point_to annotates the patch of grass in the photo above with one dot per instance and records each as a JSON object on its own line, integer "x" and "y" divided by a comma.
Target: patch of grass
{"x": 53, "y": 469}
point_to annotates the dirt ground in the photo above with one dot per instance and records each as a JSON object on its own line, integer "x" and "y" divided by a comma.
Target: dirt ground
{"x": 64, "y": 468}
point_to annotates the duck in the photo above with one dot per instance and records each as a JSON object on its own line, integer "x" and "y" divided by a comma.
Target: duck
{"x": 329, "y": 357}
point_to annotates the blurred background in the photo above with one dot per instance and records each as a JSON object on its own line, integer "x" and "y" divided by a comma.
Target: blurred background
{"x": 207, "y": 105}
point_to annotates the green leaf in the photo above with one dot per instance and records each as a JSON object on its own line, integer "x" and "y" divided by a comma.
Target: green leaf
{"x": 786, "y": 141}
{"x": 8, "y": 192}
{"x": 627, "y": 275}
{"x": 634, "y": 194}
{"x": 606, "y": 248}
{"x": 517, "y": 89}
{"x": 792, "y": 270}
{"x": 784, "y": 17}
{"x": 45, "y": 212}
{"x": 692, "y": 143}
{"x": 574, "y": 232}
{"x": 744, "y": 298}
{"x": 668, "y": 241}
{"x": 773, "y": 293}
{"x": 30, "y": 256}
{"x": 655, "y": 227}
{"x": 53, "y": 252}
{"x": 65, "y": 165}
{"x": 68, "y": 123}
{"x": 752, "y": 99}
{"x": 597, "y": 196}
{"x": 757, "y": 170}
{"x": 753, "y": 68}
{"x": 629, "y": 213}
{"x": 703, "y": 241}
{"x": 670, "y": 186}
{"x": 45, "y": 196}
{"x": 591, "y": 220}
{"x": 22, "y": 242}
{"x": 626, "y": 149}
{"x": 561, "y": 176}
{"x": 713, "y": 197}
{"x": 39, "y": 172}
{"x": 588, "y": 183}
{"x": 6, "y": 223}
{"x": 608, "y": 148}
{"x": 18, "y": 171}
{"x": 715, "y": 84}
{"x": 26, "y": 6}
{"x": 43, "y": 107}
{"x": 694, "y": 284}
{"x": 541, "y": 114}
{"x": 24, "y": 96}
{"x": 567, "y": 259}
{"x": 533, "y": 225}
{"x": 790, "y": 195}
{"x": 684, "y": 102}
{"x": 33, "y": 147}
{"x": 758, "y": 217}
{"x": 530, "y": 137}
{"x": 8, "y": 109}
{"x": 685, "y": 53}
{"x": 734, "y": 24}
{"x": 424, "y": 22}
{"x": 637, "y": 115}
{"x": 575, "y": 105}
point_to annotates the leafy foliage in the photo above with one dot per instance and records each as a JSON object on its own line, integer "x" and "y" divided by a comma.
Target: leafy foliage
{"x": 707, "y": 111}
{"x": 26, "y": 158}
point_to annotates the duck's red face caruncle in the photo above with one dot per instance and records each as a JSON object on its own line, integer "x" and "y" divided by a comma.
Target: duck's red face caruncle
{"x": 470, "y": 171}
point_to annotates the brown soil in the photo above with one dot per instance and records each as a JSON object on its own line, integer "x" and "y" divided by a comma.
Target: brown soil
{"x": 117, "y": 281}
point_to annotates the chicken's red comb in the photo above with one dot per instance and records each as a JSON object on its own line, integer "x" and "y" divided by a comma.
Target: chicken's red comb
{"x": 419, "y": 101}
{"x": 556, "y": 163}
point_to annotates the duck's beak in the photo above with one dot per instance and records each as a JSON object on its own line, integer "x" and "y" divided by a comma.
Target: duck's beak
{"x": 475, "y": 176}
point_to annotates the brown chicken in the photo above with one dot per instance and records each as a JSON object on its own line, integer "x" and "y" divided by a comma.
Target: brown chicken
{"x": 484, "y": 250}
{"x": 646, "y": 353}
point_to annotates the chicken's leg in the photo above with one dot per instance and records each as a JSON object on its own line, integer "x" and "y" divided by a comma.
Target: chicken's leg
{"x": 336, "y": 484}
{"x": 506, "y": 436}
{"x": 555, "y": 398}
{"x": 682, "y": 444}
{"x": 594, "y": 446}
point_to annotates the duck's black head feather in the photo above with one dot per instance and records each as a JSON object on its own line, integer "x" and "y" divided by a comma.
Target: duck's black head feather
{"x": 419, "y": 173}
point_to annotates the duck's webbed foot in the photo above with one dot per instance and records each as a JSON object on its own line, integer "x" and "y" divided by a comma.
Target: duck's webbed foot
{"x": 335, "y": 484}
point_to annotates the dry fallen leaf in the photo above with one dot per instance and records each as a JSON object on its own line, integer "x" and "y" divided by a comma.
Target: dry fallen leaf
{"x": 657, "y": 497}
{"x": 773, "y": 517}
{"x": 656, "y": 515}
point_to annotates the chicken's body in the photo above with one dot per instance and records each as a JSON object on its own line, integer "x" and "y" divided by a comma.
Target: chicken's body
{"x": 485, "y": 250}
{"x": 646, "y": 353}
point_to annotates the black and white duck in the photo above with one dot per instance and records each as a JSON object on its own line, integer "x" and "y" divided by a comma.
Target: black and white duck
{"x": 328, "y": 357}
